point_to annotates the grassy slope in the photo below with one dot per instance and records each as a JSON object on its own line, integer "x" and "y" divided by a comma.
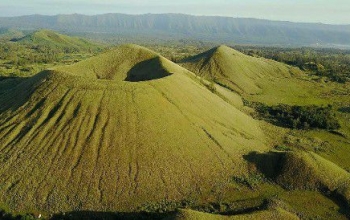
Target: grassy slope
{"x": 267, "y": 81}
{"x": 81, "y": 137}
{"x": 258, "y": 79}
{"x": 268, "y": 214}
{"x": 158, "y": 91}
{"x": 54, "y": 39}
{"x": 308, "y": 170}
{"x": 26, "y": 55}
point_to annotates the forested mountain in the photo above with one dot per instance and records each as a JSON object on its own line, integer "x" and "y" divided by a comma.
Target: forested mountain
{"x": 176, "y": 26}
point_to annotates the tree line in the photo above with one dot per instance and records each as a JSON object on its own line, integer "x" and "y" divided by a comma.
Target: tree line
{"x": 333, "y": 64}
{"x": 298, "y": 117}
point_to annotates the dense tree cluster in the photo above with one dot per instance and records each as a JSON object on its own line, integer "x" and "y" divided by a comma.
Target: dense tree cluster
{"x": 22, "y": 55}
{"x": 7, "y": 216}
{"x": 331, "y": 63}
{"x": 300, "y": 117}
{"x": 28, "y": 54}
{"x": 20, "y": 59}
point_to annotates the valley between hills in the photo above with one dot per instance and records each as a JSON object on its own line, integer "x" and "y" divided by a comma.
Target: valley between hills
{"x": 125, "y": 132}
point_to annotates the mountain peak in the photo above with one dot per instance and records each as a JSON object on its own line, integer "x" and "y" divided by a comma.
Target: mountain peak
{"x": 129, "y": 62}
{"x": 223, "y": 49}
{"x": 45, "y": 31}
{"x": 240, "y": 72}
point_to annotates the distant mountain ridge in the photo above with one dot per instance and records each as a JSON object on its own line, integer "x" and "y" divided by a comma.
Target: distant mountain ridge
{"x": 210, "y": 28}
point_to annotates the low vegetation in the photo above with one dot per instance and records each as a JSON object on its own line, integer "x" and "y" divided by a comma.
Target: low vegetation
{"x": 8, "y": 216}
{"x": 28, "y": 55}
{"x": 113, "y": 108}
{"x": 210, "y": 159}
{"x": 300, "y": 117}
{"x": 333, "y": 64}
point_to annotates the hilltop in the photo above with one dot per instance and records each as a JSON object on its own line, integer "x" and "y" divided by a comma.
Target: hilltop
{"x": 236, "y": 70}
{"x": 53, "y": 39}
{"x": 8, "y": 34}
{"x": 25, "y": 53}
{"x": 257, "y": 78}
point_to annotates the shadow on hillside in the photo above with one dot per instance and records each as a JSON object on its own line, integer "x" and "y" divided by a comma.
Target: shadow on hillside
{"x": 147, "y": 70}
{"x": 212, "y": 208}
{"x": 2, "y": 78}
{"x": 207, "y": 55}
{"x": 269, "y": 164}
{"x": 344, "y": 109}
{"x": 15, "y": 91}
{"x": 9, "y": 95}
{"x": 90, "y": 215}
{"x": 13, "y": 78}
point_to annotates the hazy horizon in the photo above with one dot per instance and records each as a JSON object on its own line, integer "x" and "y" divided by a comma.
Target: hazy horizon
{"x": 308, "y": 11}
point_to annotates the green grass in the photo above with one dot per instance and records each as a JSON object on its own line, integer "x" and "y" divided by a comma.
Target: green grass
{"x": 130, "y": 131}
{"x": 312, "y": 205}
{"x": 41, "y": 50}
{"x": 55, "y": 40}
{"x": 256, "y": 78}
{"x": 78, "y": 137}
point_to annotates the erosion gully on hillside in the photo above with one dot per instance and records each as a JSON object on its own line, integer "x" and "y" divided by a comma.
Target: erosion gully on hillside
{"x": 130, "y": 134}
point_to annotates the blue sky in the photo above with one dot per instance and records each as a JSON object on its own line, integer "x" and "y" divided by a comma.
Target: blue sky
{"x": 325, "y": 11}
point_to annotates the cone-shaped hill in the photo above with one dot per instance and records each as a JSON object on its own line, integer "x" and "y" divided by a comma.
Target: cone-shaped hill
{"x": 122, "y": 129}
{"x": 249, "y": 75}
{"x": 128, "y": 63}
{"x": 53, "y": 39}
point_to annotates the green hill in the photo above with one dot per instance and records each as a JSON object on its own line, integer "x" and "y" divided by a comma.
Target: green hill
{"x": 259, "y": 78}
{"x": 304, "y": 171}
{"x": 309, "y": 170}
{"x": 277, "y": 213}
{"x": 129, "y": 133}
{"x": 8, "y": 34}
{"x": 55, "y": 40}
{"x": 115, "y": 132}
